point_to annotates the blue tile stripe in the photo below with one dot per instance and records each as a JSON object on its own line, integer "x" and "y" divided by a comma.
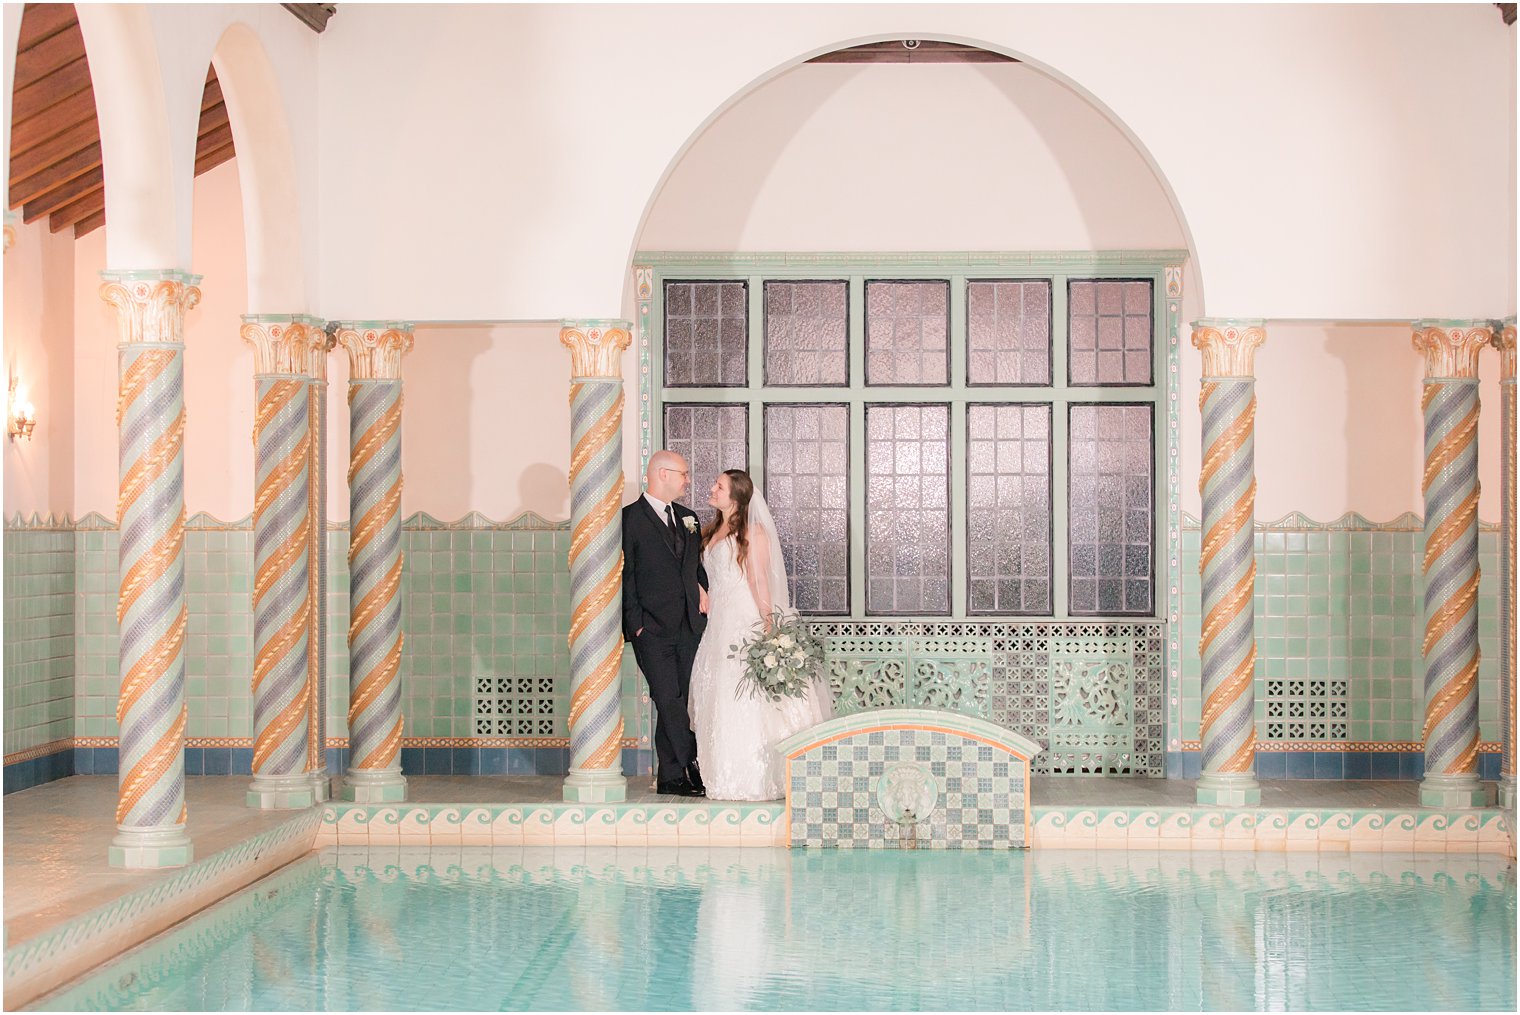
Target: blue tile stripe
{"x": 1335, "y": 765}
{"x": 37, "y": 771}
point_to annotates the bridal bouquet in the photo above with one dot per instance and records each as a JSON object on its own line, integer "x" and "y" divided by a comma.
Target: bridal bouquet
{"x": 779, "y": 663}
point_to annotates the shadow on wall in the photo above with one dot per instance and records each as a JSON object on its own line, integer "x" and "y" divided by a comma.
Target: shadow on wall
{"x": 545, "y": 489}
{"x": 1382, "y": 431}
{"x": 438, "y": 416}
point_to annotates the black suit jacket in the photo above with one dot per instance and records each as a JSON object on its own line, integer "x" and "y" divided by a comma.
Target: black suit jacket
{"x": 658, "y": 587}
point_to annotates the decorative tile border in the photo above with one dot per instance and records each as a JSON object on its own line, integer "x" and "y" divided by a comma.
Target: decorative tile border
{"x": 1274, "y": 829}
{"x": 40, "y": 964}
{"x": 558, "y": 824}
{"x": 1351, "y": 521}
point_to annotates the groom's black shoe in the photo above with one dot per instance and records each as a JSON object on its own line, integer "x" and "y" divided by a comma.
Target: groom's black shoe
{"x": 694, "y": 776}
{"x": 677, "y": 787}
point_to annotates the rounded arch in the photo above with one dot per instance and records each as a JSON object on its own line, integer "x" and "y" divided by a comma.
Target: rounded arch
{"x": 266, "y": 172}
{"x": 148, "y": 225}
{"x": 1193, "y": 268}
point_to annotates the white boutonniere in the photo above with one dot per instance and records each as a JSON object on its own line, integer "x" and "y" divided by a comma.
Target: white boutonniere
{"x": 691, "y": 523}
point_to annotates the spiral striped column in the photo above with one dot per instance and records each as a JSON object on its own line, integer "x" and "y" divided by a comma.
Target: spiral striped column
{"x": 150, "y": 611}
{"x": 1227, "y": 561}
{"x": 1504, "y": 341}
{"x": 1450, "y": 404}
{"x": 283, "y": 563}
{"x": 316, "y": 763}
{"x": 374, "y": 560}
{"x": 596, "y": 558}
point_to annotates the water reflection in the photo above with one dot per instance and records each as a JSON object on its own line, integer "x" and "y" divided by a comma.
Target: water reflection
{"x": 726, "y": 929}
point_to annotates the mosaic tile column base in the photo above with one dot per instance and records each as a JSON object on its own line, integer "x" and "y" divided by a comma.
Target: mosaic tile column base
{"x": 1450, "y": 792}
{"x": 595, "y": 786}
{"x": 280, "y": 792}
{"x": 139, "y": 848}
{"x": 1227, "y": 789}
{"x": 374, "y": 788}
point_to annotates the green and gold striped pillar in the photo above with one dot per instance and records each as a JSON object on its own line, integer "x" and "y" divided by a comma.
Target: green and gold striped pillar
{"x": 1450, "y": 403}
{"x": 374, "y": 560}
{"x": 316, "y": 764}
{"x": 150, "y": 611}
{"x": 1504, "y": 341}
{"x": 1227, "y": 560}
{"x": 596, "y": 558}
{"x": 283, "y": 633}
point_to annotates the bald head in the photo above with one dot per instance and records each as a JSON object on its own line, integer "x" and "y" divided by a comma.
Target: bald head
{"x": 666, "y": 476}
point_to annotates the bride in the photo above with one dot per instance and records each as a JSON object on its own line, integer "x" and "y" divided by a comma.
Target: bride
{"x": 737, "y": 734}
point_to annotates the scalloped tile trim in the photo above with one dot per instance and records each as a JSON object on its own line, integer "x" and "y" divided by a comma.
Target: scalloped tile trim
{"x": 45, "y": 962}
{"x": 554, "y": 824}
{"x": 1351, "y": 521}
{"x": 421, "y": 521}
{"x": 1353, "y": 830}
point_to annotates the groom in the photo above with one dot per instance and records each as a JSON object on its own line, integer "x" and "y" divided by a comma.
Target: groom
{"x": 664, "y": 602}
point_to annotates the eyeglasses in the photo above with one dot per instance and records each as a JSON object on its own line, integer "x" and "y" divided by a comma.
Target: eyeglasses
{"x": 681, "y": 472}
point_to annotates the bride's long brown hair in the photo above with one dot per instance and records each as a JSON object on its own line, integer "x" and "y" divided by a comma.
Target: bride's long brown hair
{"x": 740, "y": 490}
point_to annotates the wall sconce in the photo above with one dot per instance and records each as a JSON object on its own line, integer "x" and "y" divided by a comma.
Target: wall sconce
{"x": 21, "y": 417}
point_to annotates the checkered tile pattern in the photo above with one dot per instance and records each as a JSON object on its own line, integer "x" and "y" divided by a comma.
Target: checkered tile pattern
{"x": 981, "y": 793}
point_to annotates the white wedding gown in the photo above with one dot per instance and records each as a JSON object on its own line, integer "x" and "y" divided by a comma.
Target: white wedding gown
{"x": 737, "y": 734}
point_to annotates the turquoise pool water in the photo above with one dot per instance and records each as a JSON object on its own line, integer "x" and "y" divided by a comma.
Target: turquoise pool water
{"x": 668, "y": 929}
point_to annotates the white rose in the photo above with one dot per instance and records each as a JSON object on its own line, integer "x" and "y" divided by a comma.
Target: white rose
{"x": 799, "y": 655}
{"x": 785, "y": 641}
{"x": 770, "y": 661}
{"x": 691, "y": 524}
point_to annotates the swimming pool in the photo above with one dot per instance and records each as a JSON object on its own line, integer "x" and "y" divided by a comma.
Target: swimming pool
{"x": 664, "y": 929}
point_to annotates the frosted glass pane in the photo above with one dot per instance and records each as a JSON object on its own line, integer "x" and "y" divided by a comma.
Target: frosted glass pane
{"x": 907, "y": 518}
{"x": 1110, "y": 331}
{"x": 712, "y": 438}
{"x": 1008, "y": 508}
{"x": 706, "y": 334}
{"x": 907, "y": 333}
{"x": 1009, "y": 329}
{"x": 807, "y": 485}
{"x": 1110, "y": 505}
{"x": 806, "y": 332}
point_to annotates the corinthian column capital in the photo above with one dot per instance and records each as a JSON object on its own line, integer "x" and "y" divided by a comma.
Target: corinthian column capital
{"x": 150, "y": 305}
{"x": 1228, "y": 345}
{"x": 375, "y": 349}
{"x": 1451, "y": 348}
{"x": 1504, "y": 342}
{"x": 286, "y": 345}
{"x": 596, "y": 347}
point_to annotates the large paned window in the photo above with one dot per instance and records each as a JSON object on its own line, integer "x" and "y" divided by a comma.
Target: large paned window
{"x": 937, "y": 438}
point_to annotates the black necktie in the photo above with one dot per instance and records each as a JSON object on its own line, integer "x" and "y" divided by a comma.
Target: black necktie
{"x": 676, "y": 542}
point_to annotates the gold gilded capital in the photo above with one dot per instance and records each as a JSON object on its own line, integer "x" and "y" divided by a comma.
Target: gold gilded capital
{"x": 1504, "y": 341}
{"x": 374, "y": 352}
{"x": 150, "y": 306}
{"x": 596, "y": 347}
{"x": 1451, "y": 348}
{"x": 1228, "y": 346}
{"x": 287, "y": 347}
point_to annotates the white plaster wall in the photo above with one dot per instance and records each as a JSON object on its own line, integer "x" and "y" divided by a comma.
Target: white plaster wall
{"x": 864, "y": 155}
{"x": 39, "y": 326}
{"x": 1330, "y": 162}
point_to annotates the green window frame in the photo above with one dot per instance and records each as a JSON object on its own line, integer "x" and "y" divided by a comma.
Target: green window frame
{"x": 958, "y": 270}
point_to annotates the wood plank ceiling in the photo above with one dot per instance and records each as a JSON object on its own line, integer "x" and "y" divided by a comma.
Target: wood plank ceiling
{"x": 912, "y": 51}
{"x": 56, "y": 168}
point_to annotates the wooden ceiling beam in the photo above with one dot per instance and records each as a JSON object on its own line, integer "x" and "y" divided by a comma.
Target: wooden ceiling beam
{"x": 212, "y": 119}
{"x": 211, "y": 158}
{"x": 212, "y": 96}
{"x": 90, "y": 223}
{"x": 49, "y": 55}
{"x": 65, "y": 194}
{"x": 27, "y": 134}
{"x": 71, "y": 79}
{"x": 39, "y": 22}
{"x": 29, "y": 190}
{"x": 214, "y": 139}
{"x": 56, "y": 148}
{"x": 74, "y": 211}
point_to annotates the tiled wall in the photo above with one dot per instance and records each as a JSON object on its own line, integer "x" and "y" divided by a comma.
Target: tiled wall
{"x": 1339, "y": 625}
{"x": 39, "y": 646}
{"x": 485, "y": 613}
